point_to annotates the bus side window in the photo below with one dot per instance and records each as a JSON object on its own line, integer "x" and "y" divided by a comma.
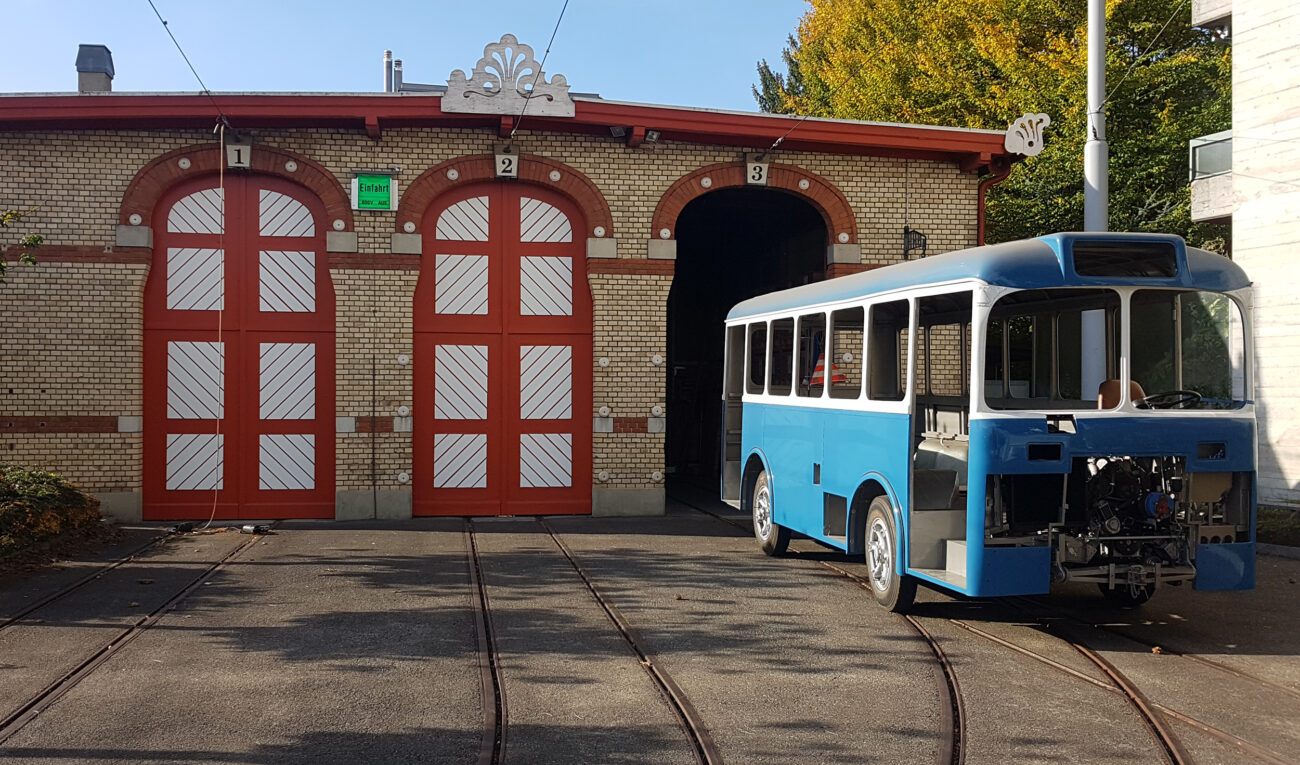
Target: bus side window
{"x": 887, "y": 351}
{"x": 846, "y": 353}
{"x": 812, "y": 355}
{"x": 757, "y": 357}
{"x": 781, "y": 375}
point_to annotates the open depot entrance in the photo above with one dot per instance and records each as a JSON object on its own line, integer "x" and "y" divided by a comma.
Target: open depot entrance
{"x": 732, "y": 244}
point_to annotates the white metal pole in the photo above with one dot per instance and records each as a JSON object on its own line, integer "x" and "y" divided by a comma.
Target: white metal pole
{"x": 1095, "y": 152}
{"x": 1095, "y": 189}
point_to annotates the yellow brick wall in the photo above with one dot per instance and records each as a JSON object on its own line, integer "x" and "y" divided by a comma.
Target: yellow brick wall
{"x": 76, "y": 349}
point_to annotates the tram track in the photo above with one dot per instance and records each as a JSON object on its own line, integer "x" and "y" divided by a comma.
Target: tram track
{"x": 72, "y": 587}
{"x": 16, "y": 719}
{"x": 1029, "y": 605}
{"x": 952, "y": 749}
{"x": 692, "y": 724}
{"x": 495, "y": 715}
{"x": 1154, "y": 715}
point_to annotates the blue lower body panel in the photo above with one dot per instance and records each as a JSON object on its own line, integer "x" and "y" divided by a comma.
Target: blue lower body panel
{"x": 1225, "y": 566}
{"x": 1013, "y": 571}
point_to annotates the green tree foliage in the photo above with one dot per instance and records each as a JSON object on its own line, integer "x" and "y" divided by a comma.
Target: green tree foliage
{"x": 983, "y": 63}
{"x": 8, "y": 219}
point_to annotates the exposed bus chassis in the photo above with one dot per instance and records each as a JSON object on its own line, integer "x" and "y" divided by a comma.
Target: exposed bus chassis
{"x": 1128, "y": 524}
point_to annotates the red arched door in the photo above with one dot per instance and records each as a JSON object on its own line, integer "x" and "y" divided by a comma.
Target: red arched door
{"x": 503, "y": 355}
{"x": 239, "y": 354}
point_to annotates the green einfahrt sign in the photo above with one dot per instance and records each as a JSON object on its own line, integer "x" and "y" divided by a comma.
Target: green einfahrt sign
{"x": 374, "y": 192}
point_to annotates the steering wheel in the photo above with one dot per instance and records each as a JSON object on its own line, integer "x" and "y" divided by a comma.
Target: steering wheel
{"x": 1170, "y": 399}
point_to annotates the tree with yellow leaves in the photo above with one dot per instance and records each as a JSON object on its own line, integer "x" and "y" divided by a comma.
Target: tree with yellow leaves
{"x": 982, "y": 63}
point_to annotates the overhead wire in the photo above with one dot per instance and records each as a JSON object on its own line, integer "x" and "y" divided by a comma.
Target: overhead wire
{"x": 825, "y": 102}
{"x": 540, "y": 67}
{"x": 195, "y": 72}
{"x": 1133, "y": 65}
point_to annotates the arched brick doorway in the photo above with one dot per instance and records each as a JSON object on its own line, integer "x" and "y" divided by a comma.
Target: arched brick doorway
{"x": 503, "y": 333}
{"x": 239, "y": 353}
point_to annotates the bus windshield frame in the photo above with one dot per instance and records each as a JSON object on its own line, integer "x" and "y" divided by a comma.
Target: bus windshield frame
{"x": 1112, "y": 348}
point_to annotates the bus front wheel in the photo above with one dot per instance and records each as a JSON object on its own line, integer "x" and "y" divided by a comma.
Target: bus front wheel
{"x": 772, "y": 537}
{"x": 893, "y": 590}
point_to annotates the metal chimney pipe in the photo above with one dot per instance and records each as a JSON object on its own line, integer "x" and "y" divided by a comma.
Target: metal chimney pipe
{"x": 397, "y": 76}
{"x": 388, "y": 71}
{"x": 1096, "y": 184}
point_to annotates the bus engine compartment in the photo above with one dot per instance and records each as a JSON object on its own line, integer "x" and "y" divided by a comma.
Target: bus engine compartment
{"x": 1128, "y": 523}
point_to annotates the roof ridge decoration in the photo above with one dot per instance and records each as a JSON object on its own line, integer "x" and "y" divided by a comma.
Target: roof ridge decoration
{"x": 506, "y": 79}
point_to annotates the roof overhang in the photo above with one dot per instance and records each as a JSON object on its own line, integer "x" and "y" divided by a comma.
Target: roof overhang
{"x": 976, "y": 151}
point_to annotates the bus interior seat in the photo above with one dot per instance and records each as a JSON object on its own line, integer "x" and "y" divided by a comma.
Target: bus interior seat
{"x": 1108, "y": 393}
{"x": 934, "y": 488}
{"x": 944, "y": 454}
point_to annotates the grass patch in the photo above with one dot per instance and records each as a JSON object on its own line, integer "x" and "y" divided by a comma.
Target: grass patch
{"x": 1278, "y": 526}
{"x": 36, "y": 506}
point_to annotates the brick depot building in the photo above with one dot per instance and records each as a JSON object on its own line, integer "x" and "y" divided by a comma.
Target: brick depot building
{"x": 215, "y": 323}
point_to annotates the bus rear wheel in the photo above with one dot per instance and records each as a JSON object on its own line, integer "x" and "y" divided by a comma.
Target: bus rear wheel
{"x": 772, "y": 537}
{"x": 893, "y": 590}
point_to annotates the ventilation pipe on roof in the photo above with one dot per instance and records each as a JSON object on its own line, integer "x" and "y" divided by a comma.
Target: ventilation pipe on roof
{"x": 388, "y": 71}
{"x": 397, "y": 75}
{"x": 94, "y": 69}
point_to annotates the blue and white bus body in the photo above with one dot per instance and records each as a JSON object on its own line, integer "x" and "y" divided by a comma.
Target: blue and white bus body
{"x": 826, "y": 458}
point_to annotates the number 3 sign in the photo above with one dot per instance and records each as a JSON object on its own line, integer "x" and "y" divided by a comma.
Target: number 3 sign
{"x": 756, "y": 169}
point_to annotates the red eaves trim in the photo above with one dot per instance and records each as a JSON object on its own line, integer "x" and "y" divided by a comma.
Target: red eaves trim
{"x": 371, "y": 113}
{"x": 63, "y": 424}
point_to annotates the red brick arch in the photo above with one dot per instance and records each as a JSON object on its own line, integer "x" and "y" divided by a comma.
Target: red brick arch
{"x": 482, "y": 167}
{"x": 155, "y": 178}
{"x": 821, "y": 193}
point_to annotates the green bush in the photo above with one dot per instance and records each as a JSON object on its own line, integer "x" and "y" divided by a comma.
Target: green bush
{"x": 36, "y": 506}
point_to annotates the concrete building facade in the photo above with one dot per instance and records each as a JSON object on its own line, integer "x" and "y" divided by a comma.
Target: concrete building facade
{"x": 212, "y": 328}
{"x": 1260, "y": 192}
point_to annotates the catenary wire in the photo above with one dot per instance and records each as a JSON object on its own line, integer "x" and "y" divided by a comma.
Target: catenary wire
{"x": 177, "y": 43}
{"x": 538, "y": 74}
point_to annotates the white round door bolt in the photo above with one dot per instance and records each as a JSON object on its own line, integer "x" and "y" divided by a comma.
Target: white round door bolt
{"x": 656, "y": 476}
{"x": 453, "y": 174}
{"x": 339, "y": 225}
{"x": 602, "y": 476}
{"x": 291, "y": 166}
{"x": 604, "y": 362}
{"x": 598, "y": 231}
{"x": 656, "y": 359}
{"x": 803, "y": 184}
{"x": 844, "y": 238}
{"x": 183, "y": 163}
{"x": 402, "y": 411}
{"x": 135, "y": 219}
{"x": 403, "y": 478}
{"x": 665, "y": 234}
{"x": 706, "y": 182}
{"x": 657, "y": 411}
{"x": 555, "y": 176}
{"x": 604, "y": 411}
{"x": 409, "y": 227}
{"x": 403, "y": 359}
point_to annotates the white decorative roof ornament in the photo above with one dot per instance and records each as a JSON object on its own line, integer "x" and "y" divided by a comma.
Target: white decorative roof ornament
{"x": 506, "y": 78}
{"x": 1025, "y": 135}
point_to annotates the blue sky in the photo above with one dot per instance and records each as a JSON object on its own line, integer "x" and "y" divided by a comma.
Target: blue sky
{"x": 700, "y": 53}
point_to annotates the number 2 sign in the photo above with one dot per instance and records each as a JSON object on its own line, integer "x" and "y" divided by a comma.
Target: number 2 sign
{"x": 507, "y": 165}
